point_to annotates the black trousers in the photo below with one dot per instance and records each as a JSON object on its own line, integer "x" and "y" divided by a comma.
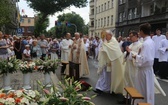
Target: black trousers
{"x": 163, "y": 71}
{"x": 63, "y": 68}
{"x": 156, "y": 66}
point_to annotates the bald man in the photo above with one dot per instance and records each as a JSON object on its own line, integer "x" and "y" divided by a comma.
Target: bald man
{"x": 110, "y": 67}
{"x": 78, "y": 55}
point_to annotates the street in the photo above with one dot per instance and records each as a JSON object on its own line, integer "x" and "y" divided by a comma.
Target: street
{"x": 111, "y": 99}
{"x": 103, "y": 99}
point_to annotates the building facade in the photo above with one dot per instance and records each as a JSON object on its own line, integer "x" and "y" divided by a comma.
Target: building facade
{"x": 13, "y": 24}
{"x": 27, "y": 25}
{"x": 132, "y": 13}
{"x": 103, "y": 15}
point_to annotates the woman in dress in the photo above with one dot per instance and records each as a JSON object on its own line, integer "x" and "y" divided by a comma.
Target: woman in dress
{"x": 35, "y": 50}
{"x": 3, "y": 47}
{"x": 54, "y": 48}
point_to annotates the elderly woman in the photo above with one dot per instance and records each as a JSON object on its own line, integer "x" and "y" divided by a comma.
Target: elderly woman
{"x": 54, "y": 48}
{"x": 3, "y": 47}
{"x": 35, "y": 50}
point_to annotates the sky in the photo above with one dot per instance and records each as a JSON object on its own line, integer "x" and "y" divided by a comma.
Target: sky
{"x": 83, "y": 12}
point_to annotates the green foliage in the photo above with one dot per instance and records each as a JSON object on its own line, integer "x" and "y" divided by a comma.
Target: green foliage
{"x": 66, "y": 94}
{"x": 5, "y": 12}
{"x": 71, "y": 18}
{"x": 40, "y": 27}
{"x": 50, "y": 7}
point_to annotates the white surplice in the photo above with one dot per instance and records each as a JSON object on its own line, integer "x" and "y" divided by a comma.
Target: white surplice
{"x": 157, "y": 39}
{"x": 65, "y": 50}
{"x": 130, "y": 67}
{"x": 145, "y": 76}
{"x": 163, "y": 55}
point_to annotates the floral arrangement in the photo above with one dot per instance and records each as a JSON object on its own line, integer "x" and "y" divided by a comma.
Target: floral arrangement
{"x": 67, "y": 94}
{"x": 9, "y": 65}
{"x": 27, "y": 67}
{"x": 20, "y": 97}
{"x": 48, "y": 65}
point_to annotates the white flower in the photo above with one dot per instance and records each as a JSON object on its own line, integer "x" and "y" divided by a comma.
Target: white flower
{"x": 10, "y": 64}
{"x": 19, "y": 93}
{"x": 33, "y": 103}
{"x": 31, "y": 93}
{"x": 42, "y": 99}
{"x": 25, "y": 101}
{"x": 2, "y": 100}
{"x": 9, "y": 101}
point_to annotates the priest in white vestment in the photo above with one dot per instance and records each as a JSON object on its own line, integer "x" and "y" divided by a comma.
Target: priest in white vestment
{"x": 144, "y": 61}
{"x": 66, "y": 45}
{"x": 110, "y": 67}
{"x": 78, "y": 55}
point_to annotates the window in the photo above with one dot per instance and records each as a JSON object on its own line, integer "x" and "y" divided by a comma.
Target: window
{"x": 22, "y": 20}
{"x": 120, "y": 1}
{"x": 112, "y": 3}
{"x": 108, "y": 5}
{"x": 111, "y": 19}
{"x": 101, "y": 22}
{"x": 29, "y": 20}
{"x": 123, "y": 16}
{"x": 104, "y": 6}
{"x": 120, "y": 17}
{"x": 130, "y": 14}
{"x": 135, "y": 12}
{"x": 99, "y": 9}
{"x": 96, "y": 10}
{"x": 151, "y": 9}
{"x": 104, "y": 21}
{"x": 108, "y": 19}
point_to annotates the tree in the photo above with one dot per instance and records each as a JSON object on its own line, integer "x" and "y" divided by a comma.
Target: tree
{"x": 71, "y": 19}
{"x": 40, "y": 27}
{"x": 50, "y": 7}
{"x": 5, "y": 11}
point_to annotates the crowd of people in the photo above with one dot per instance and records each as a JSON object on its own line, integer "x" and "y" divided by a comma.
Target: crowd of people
{"x": 131, "y": 61}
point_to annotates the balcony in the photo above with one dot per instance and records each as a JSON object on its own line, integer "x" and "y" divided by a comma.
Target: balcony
{"x": 134, "y": 21}
{"x": 91, "y": 28}
{"x": 156, "y": 17}
{"x": 91, "y": 16}
{"x": 91, "y": 3}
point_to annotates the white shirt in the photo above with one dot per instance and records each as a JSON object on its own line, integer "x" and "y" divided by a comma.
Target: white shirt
{"x": 86, "y": 46}
{"x": 146, "y": 57}
{"x": 27, "y": 52}
{"x": 157, "y": 39}
{"x": 162, "y": 49}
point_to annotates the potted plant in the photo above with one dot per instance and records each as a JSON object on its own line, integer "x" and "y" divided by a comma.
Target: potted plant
{"x": 48, "y": 66}
{"x": 27, "y": 68}
{"x": 8, "y": 66}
